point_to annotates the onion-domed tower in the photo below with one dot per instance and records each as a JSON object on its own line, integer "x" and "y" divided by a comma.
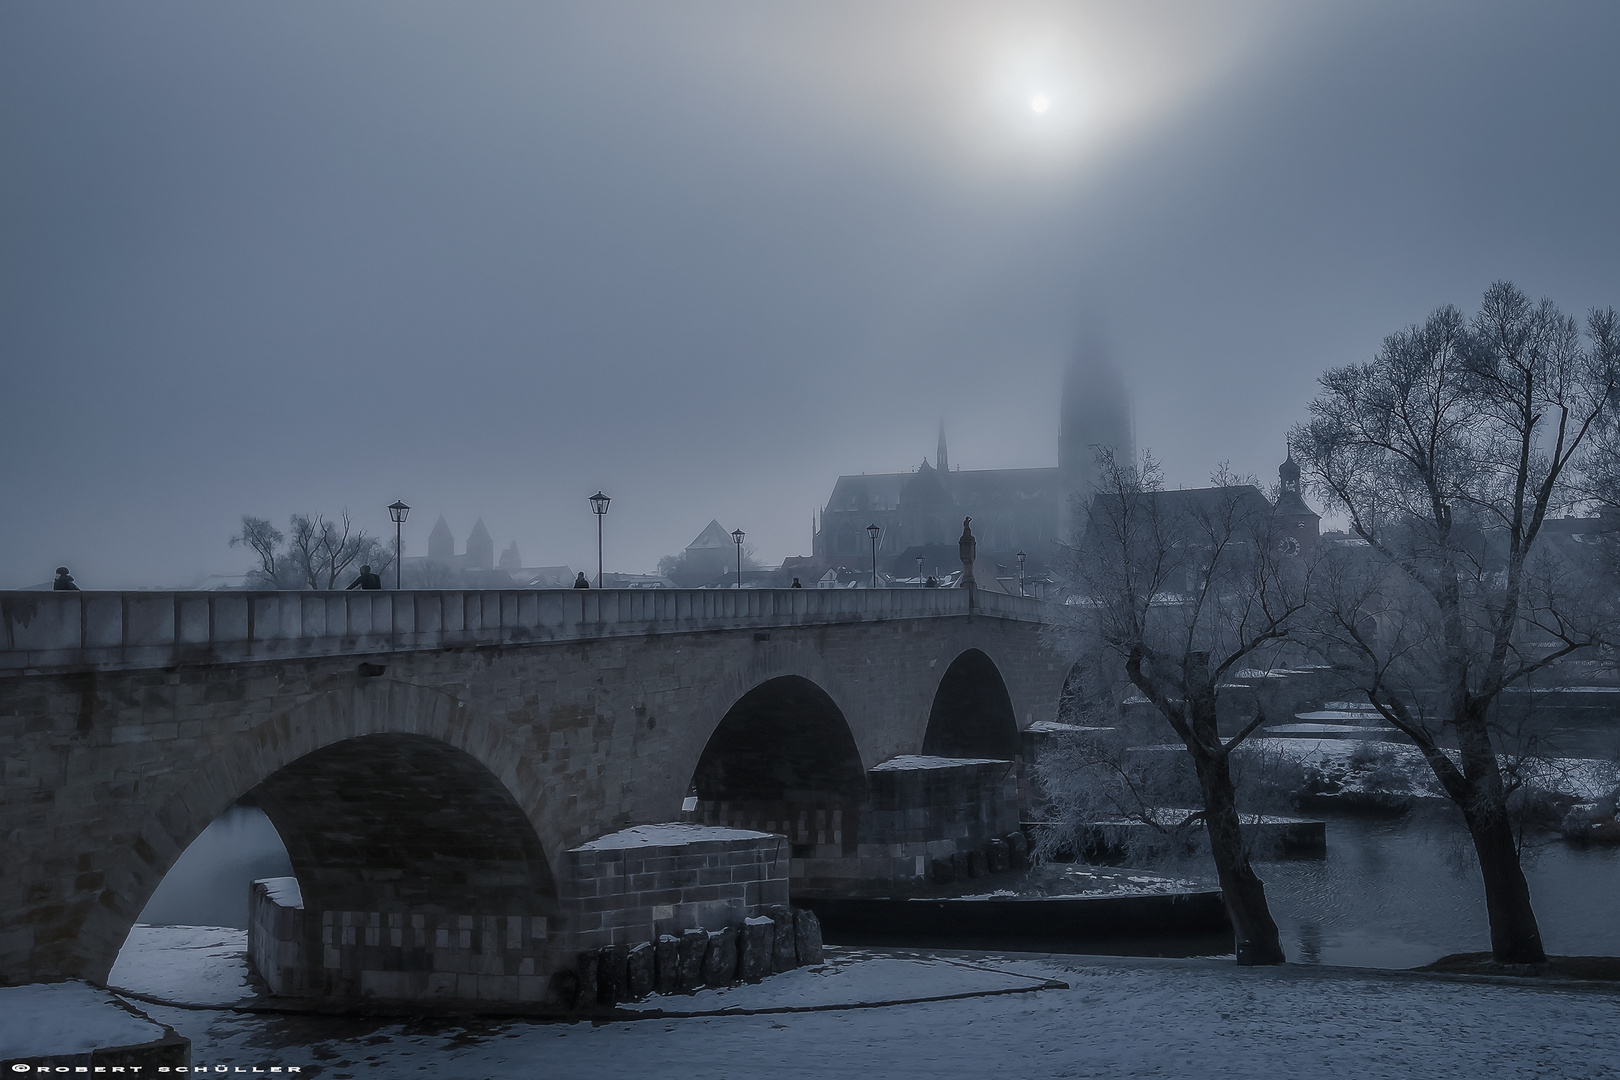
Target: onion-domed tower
{"x": 1295, "y": 526}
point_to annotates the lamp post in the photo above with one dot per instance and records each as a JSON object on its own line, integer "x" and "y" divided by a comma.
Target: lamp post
{"x": 737, "y": 538}
{"x": 919, "y": 571}
{"x": 872, "y": 531}
{"x": 599, "y": 505}
{"x": 397, "y": 511}
{"x": 1021, "y": 591}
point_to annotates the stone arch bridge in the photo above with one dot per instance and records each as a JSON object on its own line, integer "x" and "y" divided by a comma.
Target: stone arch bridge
{"x": 446, "y": 751}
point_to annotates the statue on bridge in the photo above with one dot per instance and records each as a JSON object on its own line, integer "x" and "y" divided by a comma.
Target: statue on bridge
{"x": 967, "y": 548}
{"x": 64, "y": 581}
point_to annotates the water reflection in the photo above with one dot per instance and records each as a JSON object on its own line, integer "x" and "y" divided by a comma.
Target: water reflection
{"x": 1388, "y": 894}
{"x": 208, "y": 884}
{"x": 1406, "y": 892}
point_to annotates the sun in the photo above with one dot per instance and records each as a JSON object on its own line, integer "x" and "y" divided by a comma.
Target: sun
{"x": 1039, "y": 104}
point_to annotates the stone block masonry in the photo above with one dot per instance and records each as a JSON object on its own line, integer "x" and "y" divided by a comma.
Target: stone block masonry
{"x": 110, "y": 630}
{"x": 637, "y": 884}
{"x": 394, "y": 955}
{"x": 617, "y": 896}
{"x": 919, "y": 810}
{"x": 513, "y": 726}
{"x": 927, "y": 808}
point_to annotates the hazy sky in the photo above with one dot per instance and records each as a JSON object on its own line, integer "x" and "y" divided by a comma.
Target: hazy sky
{"x": 266, "y": 258}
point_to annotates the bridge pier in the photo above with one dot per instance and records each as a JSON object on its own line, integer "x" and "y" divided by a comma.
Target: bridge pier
{"x": 620, "y": 889}
{"x": 441, "y": 754}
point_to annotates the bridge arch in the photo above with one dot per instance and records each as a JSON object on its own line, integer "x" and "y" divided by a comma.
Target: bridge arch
{"x": 783, "y": 759}
{"x": 785, "y": 736}
{"x": 394, "y": 822}
{"x": 388, "y": 797}
{"x": 972, "y": 713}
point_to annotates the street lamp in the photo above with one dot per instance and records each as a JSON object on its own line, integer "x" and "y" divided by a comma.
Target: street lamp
{"x": 599, "y": 505}
{"x": 397, "y": 512}
{"x": 872, "y": 531}
{"x": 737, "y": 538}
{"x": 919, "y": 571}
{"x": 1021, "y": 591}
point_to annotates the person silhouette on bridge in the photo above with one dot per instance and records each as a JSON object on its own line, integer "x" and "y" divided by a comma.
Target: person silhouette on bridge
{"x": 64, "y": 581}
{"x": 580, "y": 582}
{"x": 366, "y": 580}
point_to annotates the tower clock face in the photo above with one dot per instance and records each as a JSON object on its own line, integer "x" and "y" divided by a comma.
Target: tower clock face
{"x": 1290, "y": 545}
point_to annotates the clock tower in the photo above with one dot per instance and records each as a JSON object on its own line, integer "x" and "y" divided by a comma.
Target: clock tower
{"x": 1295, "y": 526}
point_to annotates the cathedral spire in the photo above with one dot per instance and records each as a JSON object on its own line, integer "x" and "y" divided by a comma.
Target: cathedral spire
{"x": 1096, "y": 413}
{"x": 943, "y": 462}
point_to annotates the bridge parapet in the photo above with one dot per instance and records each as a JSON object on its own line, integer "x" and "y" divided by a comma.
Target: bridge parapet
{"x": 108, "y": 631}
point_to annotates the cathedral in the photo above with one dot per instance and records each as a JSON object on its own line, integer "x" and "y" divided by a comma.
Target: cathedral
{"x": 919, "y": 513}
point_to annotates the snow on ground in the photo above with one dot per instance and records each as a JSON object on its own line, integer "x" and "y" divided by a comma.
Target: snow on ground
{"x": 1326, "y": 729}
{"x": 1171, "y": 815}
{"x": 66, "y": 1018}
{"x": 850, "y": 977}
{"x": 919, "y": 761}
{"x": 1202, "y": 1019}
{"x": 672, "y": 834}
{"x": 1053, "y": 727}
{"x": 207, "y": 965}
{"x": 1357, "y": 765}
{"x": 1082, "y": 879}
{"x": 200, "y": 965}
{"x": 1584, "y": 778}
{"x": 1344, "y": 716}
{"x": 1398, "y": 768}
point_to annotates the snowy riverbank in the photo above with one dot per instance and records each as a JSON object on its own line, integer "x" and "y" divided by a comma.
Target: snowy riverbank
{"x": 1336, "y": 766}
{"x": 1164, "y": 1018}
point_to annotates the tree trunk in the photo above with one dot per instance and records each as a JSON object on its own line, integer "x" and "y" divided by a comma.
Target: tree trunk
{"x": 1515, "y": 936}
{"x": 1255, "y": 931}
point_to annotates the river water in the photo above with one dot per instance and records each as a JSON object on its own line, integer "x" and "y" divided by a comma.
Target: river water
{"x": 208, "y": 885}
{"x": 1388, "y": 893}
{"x": 1400, "y": 893}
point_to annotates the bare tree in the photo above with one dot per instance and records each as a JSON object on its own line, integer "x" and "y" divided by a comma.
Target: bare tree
{"x": 1111, "y": 796}
{"x": 1447, "y": 453}
{"x": 1110, "y": 790}
{"x": 1183, "y": 588}
{"x": 322, "y": 550}
{"x": 317, "y": 552}
{"x": 265, "y": 540}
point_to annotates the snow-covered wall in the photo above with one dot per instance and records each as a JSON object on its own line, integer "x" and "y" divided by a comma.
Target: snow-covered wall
{"x": 633, "y": 885}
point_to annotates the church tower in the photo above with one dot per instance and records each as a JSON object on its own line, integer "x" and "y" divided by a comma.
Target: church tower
{"x": 1096, "y": 413}
{"x": 441, "y": 544}
{"x": 480, "y": 548}
{"x": 1295, "y": 526}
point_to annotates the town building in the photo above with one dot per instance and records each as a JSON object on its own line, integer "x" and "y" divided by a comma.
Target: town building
{"x": 919, "y": 513}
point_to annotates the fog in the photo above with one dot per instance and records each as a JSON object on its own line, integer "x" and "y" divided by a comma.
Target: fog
{"x": 490, "y": 258}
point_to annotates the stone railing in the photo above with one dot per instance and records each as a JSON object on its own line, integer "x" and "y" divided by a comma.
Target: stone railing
{"x": 124, "y": 630}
